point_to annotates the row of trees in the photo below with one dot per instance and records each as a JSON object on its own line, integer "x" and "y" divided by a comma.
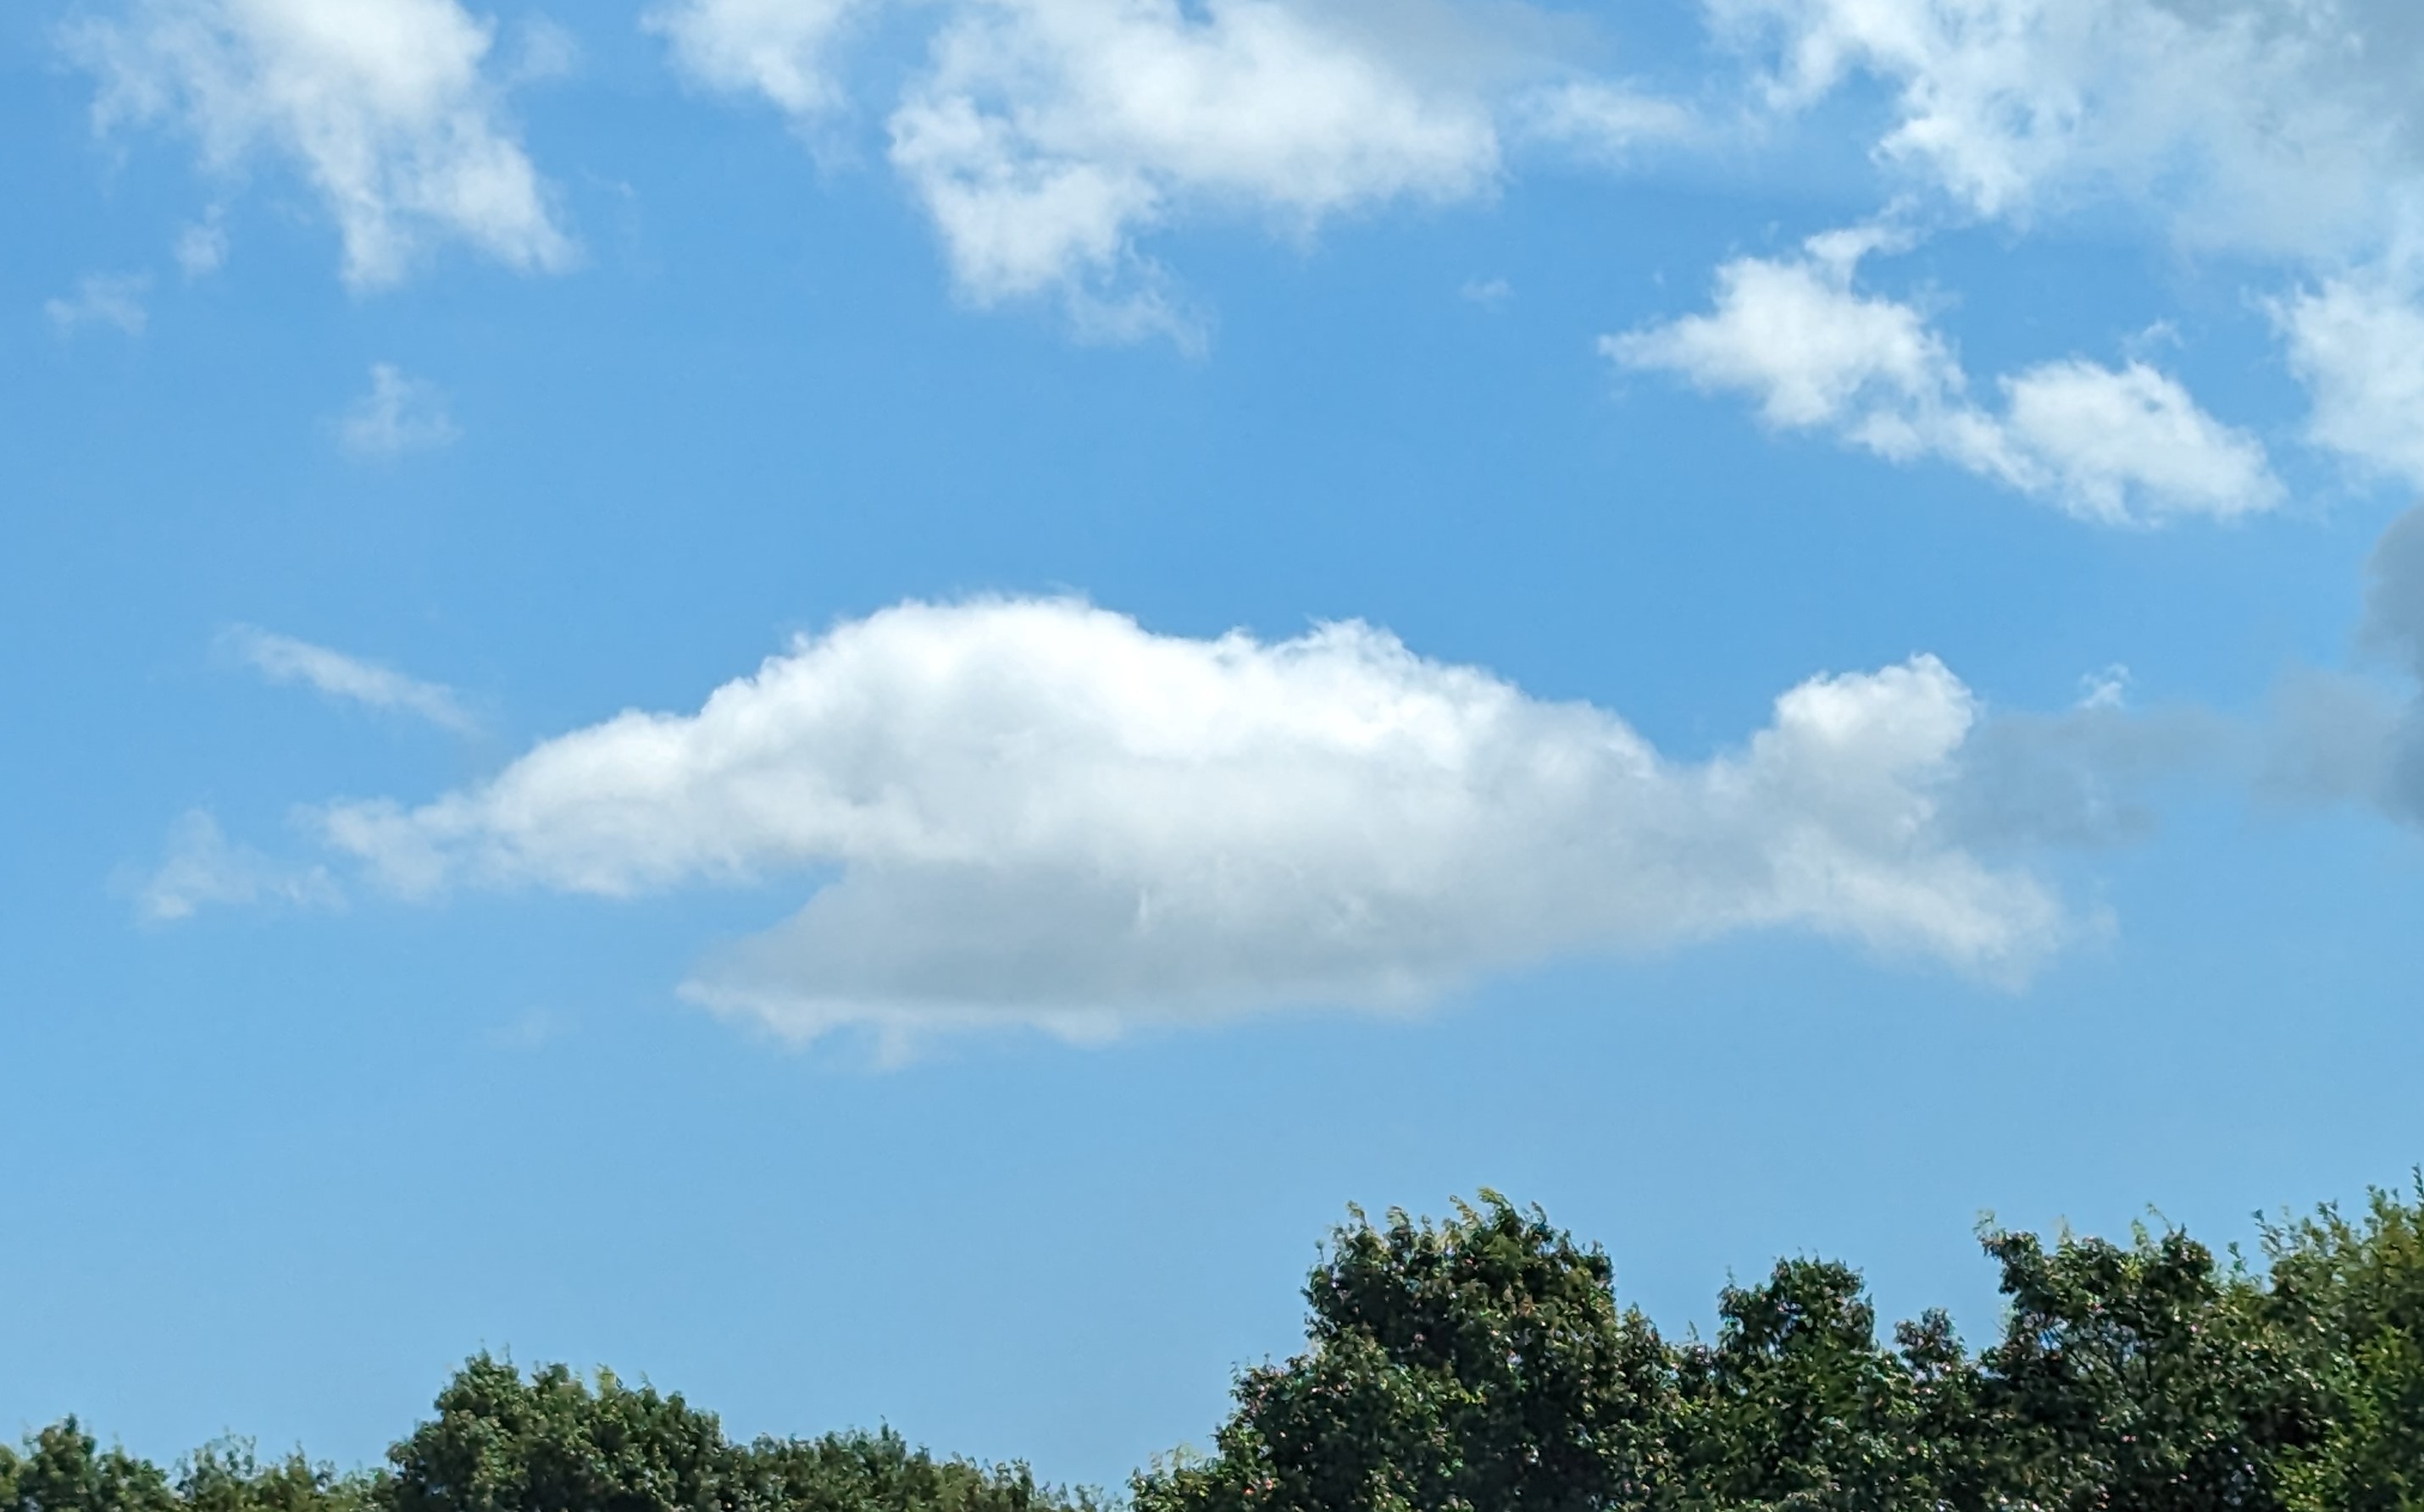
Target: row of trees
{"x": 1483, "y": 1363}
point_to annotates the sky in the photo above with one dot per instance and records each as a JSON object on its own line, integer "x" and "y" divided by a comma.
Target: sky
{"x": 853, "y": 706}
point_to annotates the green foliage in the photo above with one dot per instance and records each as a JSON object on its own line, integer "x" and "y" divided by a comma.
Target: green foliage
{"x": 1481, "y": 1363}
{"x": 63, "y": 1470}
{"x": 551, "y": 1444}
{"x": 1484, "y": 1364}
{"x": 1797, "y": 1405}
{"x": 2352, "y": 1295}
{"x": 2145, "y": 1376}
{"x": 224, "y": 1476}
{"x": 556, "y": 1443}
{"x": 855, "y": 1472}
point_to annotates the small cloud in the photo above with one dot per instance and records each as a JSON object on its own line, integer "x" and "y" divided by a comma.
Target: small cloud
{"x": 1488, "y": 293}
{"x": 202, "y": 246}
{"x": 103, "y": 300}
{"x": 202, "y": 868}
{"x": 400, "y": 414}
{"x": 281, "y": 658}
{"x": 2108, "y": 689}
{"x": 1600, "y": 121}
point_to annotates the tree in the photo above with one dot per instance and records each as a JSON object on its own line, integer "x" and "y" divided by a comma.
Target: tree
{"x": 2142, "y": 1377}
{"x": 1796, "y": 1404}
{"x": 225, "y": 1477}
{"x": 2352, "y": 1295}
{"x": 63, "y": 1470}
{"x": 1481, "y": 1364}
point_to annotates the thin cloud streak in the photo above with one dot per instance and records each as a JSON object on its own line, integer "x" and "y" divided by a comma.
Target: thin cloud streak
{"x": 282, "y": 658}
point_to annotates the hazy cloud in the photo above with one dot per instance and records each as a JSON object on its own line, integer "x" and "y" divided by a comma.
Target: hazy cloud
{"x": 281, "y": 658}
{"x": 203, "y": 868}
{"x": 115, "y": 300}
{"x": 400, "y": 414}
{"x": 202, "y": 245}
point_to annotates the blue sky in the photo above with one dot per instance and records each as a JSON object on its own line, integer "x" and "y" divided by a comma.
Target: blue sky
{"x": 855, "y": 705}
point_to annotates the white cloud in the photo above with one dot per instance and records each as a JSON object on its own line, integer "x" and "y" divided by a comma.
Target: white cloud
{"x": 1602, "y": 120}
{"x": 382, "y": 103}
{"x": 1050, "y": 133}
{"x": 400, "y": 414}
{"x": 2289, "y": 127}
{"x": 777, "y": 48}
{"x": 1036, "y": 812}
{"x": 2357, "y": 343}
{"x": 2282, "y": 129}
{"x": 2110, "y": 444}
{"x": 281, "y": 658}
{"x": 202, "y": 868}
{"x": 115, "y": 300}
{"x": 1047, "y": 140}
{"x": 2113, "y": 442}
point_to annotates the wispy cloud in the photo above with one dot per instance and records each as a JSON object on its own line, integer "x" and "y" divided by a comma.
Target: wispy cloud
{"x": 202, "y": 868}
{"x": 400, "y": 414}
{"x": 282, "y": 658}
{"x": 202, "y": 245}
{"x": 1489, "y": 293}
{"x": 112, "y": 299}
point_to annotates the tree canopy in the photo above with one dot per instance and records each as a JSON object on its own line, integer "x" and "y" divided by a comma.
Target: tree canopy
{"x": 1484, "y": 1363}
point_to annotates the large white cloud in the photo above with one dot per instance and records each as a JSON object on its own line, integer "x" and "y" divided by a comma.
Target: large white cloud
{"x": 386, "y": 106}
{"x": 1814, "y": 353}
{"x": 1038, "y": 812}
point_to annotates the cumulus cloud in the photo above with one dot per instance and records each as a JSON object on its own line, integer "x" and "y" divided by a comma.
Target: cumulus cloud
{"x": 115, "y": 300}
{"x": 1048, "y": 139}
{"x": 2357, "y": 343}
{"x": 2281, "y": 129}
{"x": 400, "y": 414}
{"x": 383, "y": 104}
{"x": 2288, "y": 130}
{"x": 1037, "y": 812}
{"x": 1814, "y": 353}
{"x": 1050, "y": 133}
{"x": 282, "y": 658}
{"x": 202, "y": 868}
